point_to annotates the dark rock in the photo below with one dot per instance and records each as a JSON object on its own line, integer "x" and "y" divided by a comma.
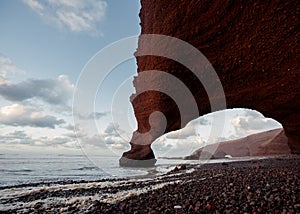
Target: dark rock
{"x": 138, "y": 156}
{"x": 126, "y": 162}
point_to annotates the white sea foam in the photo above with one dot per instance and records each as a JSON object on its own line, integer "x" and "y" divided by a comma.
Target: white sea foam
{"x": 113, "y": 198}
{"x": 83, "y": 201}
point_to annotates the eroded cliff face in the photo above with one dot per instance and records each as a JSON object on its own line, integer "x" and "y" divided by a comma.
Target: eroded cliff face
{"x": 252, "y": 45}
{"x": 273, "y": 142}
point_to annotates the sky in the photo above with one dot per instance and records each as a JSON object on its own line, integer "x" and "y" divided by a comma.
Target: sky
{"x": 44, "y": 49}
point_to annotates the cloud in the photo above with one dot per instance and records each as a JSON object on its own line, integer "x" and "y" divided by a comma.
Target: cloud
{"x": 7, "y": 66}
{"x": 21, "y": 137}
{"x": 69, "y": 127}
{"x": 113, "y": 129}
{"x": 252, "y": 122}
{"x": 16, "y": 137}
{"x": 181, "y": 147}
{"x": 190, "y": 130}
{"x": 111, "y": 138}
{"x": 76, "y": 15}
{"x": 19, "y": 115}
{"x": 116, "y": 142}
{"x": 161, "y": 144}
{"x": 57, "y": 92}
{"x": 204, "y": 121}
{"x": 55, "y": 141}
{"x": 35, "y": 5}
{"x": 184, "y": 133}
{"x": 92, "y": 116}
{"x": 115, "y": 138}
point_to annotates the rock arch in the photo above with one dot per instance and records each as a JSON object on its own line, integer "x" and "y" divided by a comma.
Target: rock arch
{"x": 252, "y": 45}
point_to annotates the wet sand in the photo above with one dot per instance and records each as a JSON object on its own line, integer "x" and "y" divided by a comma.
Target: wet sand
{"x": 257, "y": 186}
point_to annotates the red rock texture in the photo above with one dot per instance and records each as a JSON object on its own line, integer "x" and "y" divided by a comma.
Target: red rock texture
{"x": 252, "y": 45}
{"x": 273, "y": 142}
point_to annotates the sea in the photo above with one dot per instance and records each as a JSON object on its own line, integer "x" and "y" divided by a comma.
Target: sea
{"x": 60, "y": 181}
{"x": 18, "y": 169}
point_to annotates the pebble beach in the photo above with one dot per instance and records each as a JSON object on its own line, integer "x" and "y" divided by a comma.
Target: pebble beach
{"x": 257, "y": 186}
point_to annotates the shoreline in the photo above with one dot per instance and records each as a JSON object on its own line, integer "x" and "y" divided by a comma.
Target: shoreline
{"x": 150, "y": 173}
{"x": 261, "y": 185}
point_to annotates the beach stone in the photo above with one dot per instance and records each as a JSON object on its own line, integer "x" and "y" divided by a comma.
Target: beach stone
{"x": 176, "y": 169}
{"x": 183, "y": 167}
{"x": 208, "y": 207}
{"x": 297, "y": 205}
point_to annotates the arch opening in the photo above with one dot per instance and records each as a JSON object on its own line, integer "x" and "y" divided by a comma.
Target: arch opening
{"x": 246, "y": 132}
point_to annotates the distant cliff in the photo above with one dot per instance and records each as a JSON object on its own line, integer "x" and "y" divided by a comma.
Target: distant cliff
{"x": 272, "y": 142}
{"x": 252, "y": 45}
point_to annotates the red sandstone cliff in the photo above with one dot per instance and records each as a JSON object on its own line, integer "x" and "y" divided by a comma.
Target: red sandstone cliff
{"x": 252, "y": 45}
{"x": 273, "y": 142}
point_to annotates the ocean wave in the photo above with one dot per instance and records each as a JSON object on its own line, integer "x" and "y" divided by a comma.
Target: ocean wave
{"x": 16, "y": 170}
{"x": 87, "y": 168}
